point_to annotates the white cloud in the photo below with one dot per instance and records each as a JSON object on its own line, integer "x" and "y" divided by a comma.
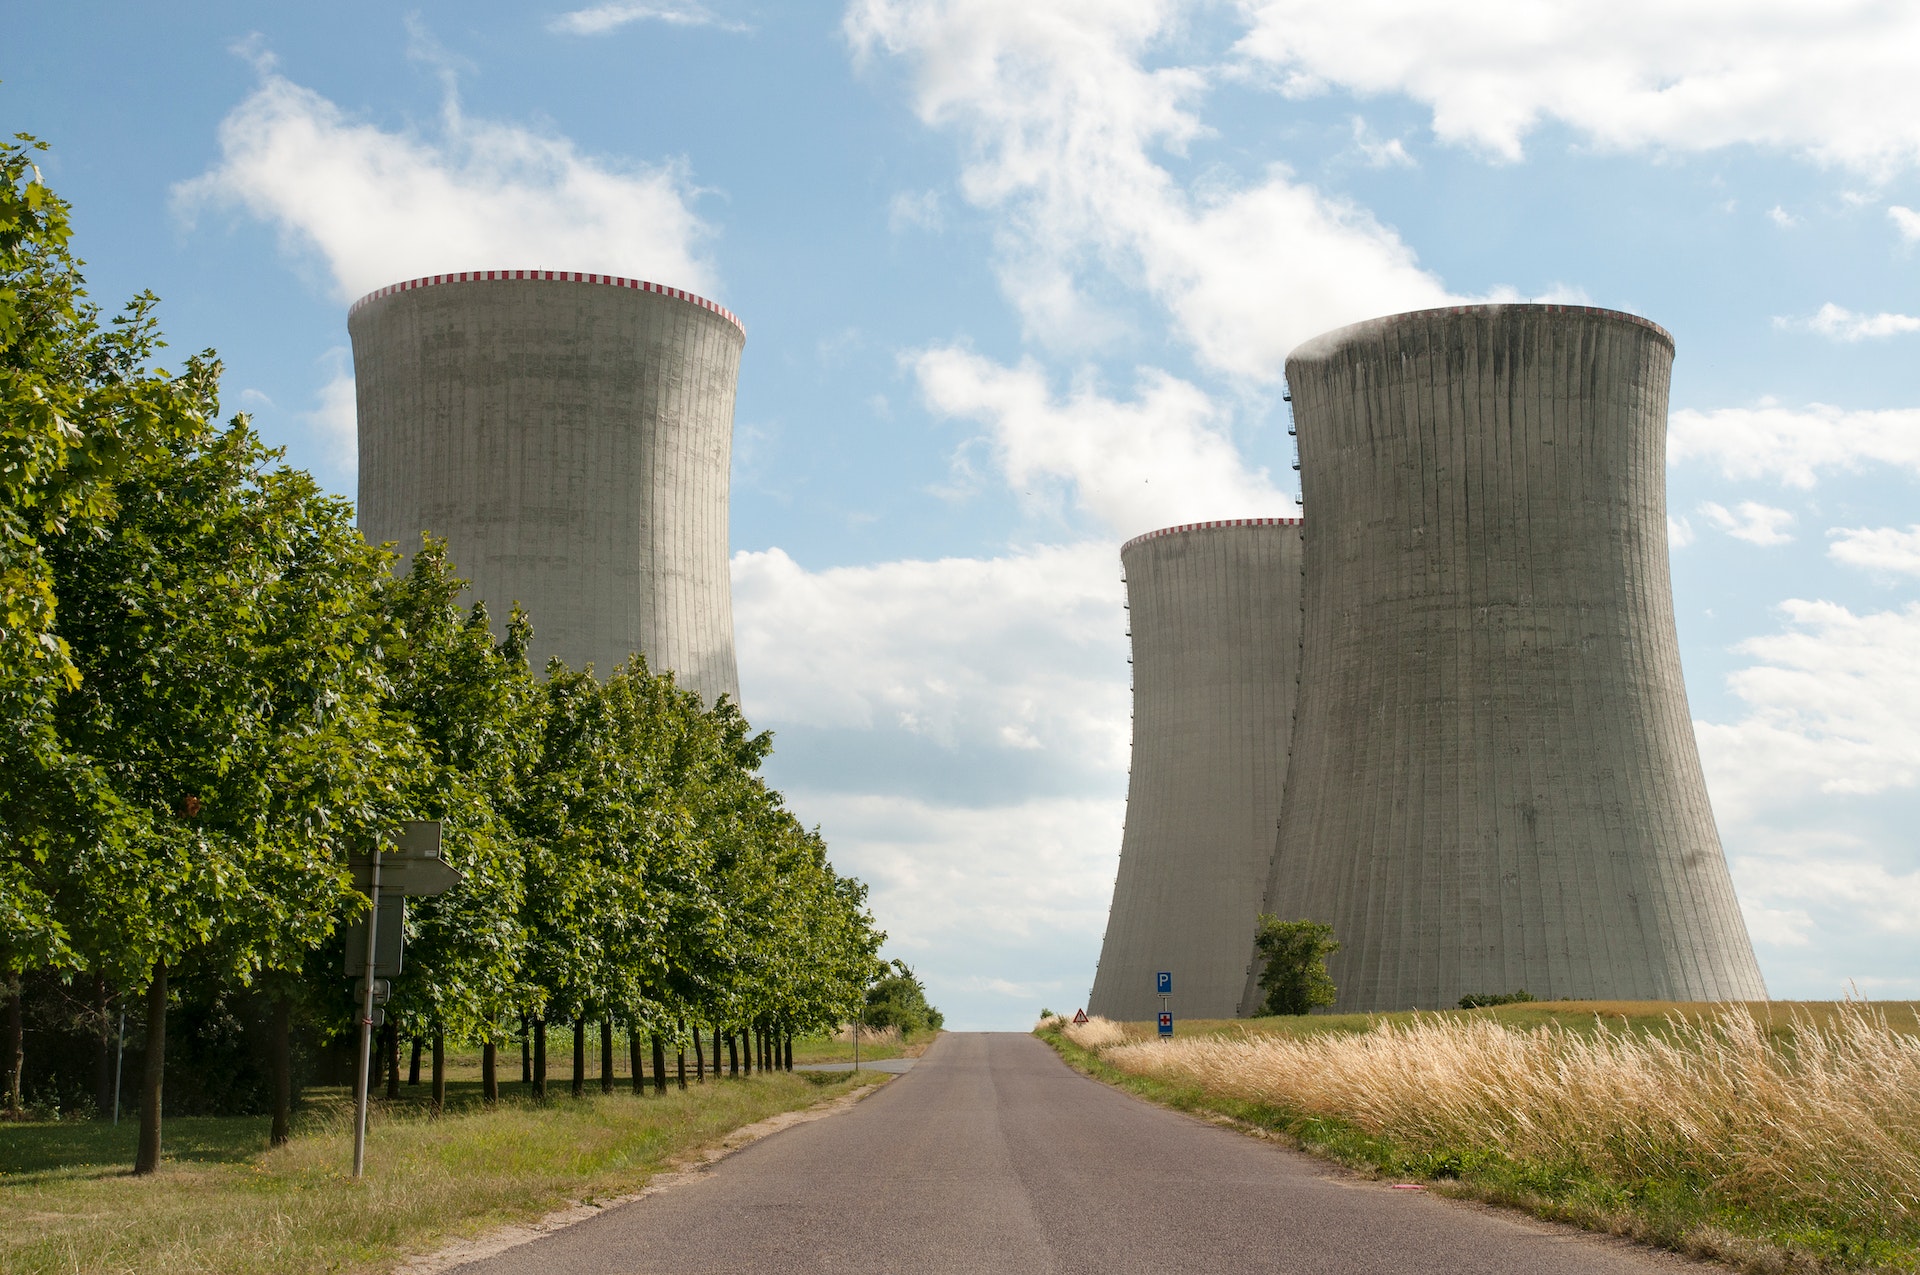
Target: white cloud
{"x": 1782, "y": 218}
{"x": 1012, "y": 665}
{"x": 1833, "y": 706}
{"x": 1679, "y": 532}
{"x": 1391, "y": 153}
{"x": 1883, "y": 549}
{"x": 973, "y": 653}
{"x": 1831, "y": 78}
{"x": 334, "y": 421}
{"x": 1795, "y": 446}
{"x": 380, "y": 206}
{"x": 1162, "y": 458}
{"x": 979, "y": 899}
{"x": 915, "y": 210}
{"x": 1842, "y": 324}
{"x": 1906, "y": 221}
{"x": 602, "y": 18}
{"x": 1062, "y": 119}
{"x": 1755, "y": 523}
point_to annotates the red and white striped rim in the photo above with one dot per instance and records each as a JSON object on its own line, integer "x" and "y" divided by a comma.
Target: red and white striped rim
{"x": 555, "y": 276}
{"x": 1209, "y": 526}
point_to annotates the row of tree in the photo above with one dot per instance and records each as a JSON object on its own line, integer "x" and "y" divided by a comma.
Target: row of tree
{"x": 214, "y": 689}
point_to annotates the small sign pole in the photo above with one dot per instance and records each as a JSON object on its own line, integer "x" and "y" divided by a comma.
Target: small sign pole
{"x": 366, "y": 1028}
{"x": 1163, "y": 984}
{"x": 119, "y": 1062}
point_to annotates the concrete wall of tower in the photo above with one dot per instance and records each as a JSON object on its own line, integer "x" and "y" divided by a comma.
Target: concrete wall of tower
{"x": 570, "y": 436}
{"x": 1214, "y": 610}
{"x": 1494, "y": 782}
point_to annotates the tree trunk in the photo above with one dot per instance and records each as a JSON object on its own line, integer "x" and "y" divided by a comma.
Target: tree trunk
{"x": 281, "y": 1047}
{"x": 633, "y": 1058}
{"x": 526, "y": 1051}
{"x": 103, "y": 1055}
{"x": 579, "y": 1055}
{"x": 681, "y": 1060}
{"x": 16, "y": 1045}
{"x": 606, "y": 1055}
{"x": 393, "y": 1061}
{"x": 439, "y": 1068}
{"x": 490, "y": 1073}
{"x": 733, "y": 1055}
{"x": 659, "y": 1064}
{"x": 152, "y": 1081}
{"x": 789, "y": 1049}
{"x": 413, "y": 1066}
{"x": 539, "y": 1058}
{"x": 699, "y": 1056}
{"x": 746, "y": 1051}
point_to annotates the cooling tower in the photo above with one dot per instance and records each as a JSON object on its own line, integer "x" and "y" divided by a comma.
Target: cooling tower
{"x": 569, "y": 434}
{"x": 1495, "y": 784}
{"x": 1214, "y": 610}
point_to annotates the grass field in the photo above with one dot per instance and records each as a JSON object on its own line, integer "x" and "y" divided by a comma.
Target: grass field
{"x": 1775, "y": 1136}
{"x": 875, "y": 1044}
{"x": 224, "y": 1202}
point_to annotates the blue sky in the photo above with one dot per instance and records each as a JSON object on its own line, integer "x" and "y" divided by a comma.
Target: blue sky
{"x": 1018, "y": 278}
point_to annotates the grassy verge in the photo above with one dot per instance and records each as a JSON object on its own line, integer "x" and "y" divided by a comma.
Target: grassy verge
{"x": 874, "y": 1046}
{"x": 1780, "y": 1149}
{"x": 223, "y": 1202}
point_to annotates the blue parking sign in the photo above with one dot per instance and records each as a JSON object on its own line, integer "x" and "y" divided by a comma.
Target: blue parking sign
{"x": 1163, "y": 983}
{"x": 1166, "y": 1024}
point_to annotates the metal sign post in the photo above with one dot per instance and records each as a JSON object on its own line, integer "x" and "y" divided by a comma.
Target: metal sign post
{"x": 119, "y": 1063}
{"x": 366, "y": 1026}
{"x": 1163, "y": 985}
{"x": 411, "y": 869}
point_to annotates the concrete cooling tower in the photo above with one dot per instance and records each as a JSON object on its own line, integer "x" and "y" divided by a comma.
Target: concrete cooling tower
{"x": 1494, "y": 783}
{"x": 570, "y": 435}
{"x": 1214, "y": 611}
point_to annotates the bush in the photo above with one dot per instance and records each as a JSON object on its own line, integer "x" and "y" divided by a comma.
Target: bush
{"x": 899, "y": 1001}
{"x": 1486, "y": 1000}
{"x": 1296, "y": 979}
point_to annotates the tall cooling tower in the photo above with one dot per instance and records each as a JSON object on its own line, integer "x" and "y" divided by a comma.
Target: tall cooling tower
{"x": 570, "y": 435}
{"x": 1495, "y": 783}
{"x": 1214, "y": 610}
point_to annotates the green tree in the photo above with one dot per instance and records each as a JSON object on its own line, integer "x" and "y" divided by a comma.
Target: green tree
{"x": 1295, "y": 953}
{"x": 899, "y": 1000}
{"x": 472, "y": 704}
{"x": 227, "y": 720}
{"x": 77, "y": 404}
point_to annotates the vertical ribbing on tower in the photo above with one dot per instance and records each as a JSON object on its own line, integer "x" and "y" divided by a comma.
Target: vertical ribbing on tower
{"x": 570, "y": 436}
{"x": 1495, "y": 783}
{"x": 1214, "y": 614}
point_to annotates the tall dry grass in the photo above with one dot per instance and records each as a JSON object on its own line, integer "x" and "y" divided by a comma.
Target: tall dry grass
{"x": 1820, "y": 1121}
{"x": 1097, "y": 1033}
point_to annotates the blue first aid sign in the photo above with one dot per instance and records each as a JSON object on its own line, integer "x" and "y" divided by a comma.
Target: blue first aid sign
{"x": 1163, "y": 983}
{"x": 1166, "y": 1024}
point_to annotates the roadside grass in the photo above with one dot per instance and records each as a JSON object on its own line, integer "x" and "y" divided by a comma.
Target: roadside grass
{"x": 875, "y": 1044}
{"x": 1774, "y": 1137}
{"x": 223, "y": 1202}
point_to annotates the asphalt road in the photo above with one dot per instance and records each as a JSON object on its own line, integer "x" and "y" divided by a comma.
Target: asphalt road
{"x": 991, "y": 1155}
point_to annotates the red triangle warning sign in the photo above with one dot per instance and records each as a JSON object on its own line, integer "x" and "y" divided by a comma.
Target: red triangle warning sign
{"x": 1079, "y": 1015}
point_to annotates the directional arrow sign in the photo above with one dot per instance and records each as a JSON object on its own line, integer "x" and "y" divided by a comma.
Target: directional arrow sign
{"x": 415, "y": 877}
{"x": 413, "y": 867}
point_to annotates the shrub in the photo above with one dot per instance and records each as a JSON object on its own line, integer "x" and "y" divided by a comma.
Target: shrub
{"x": 1296, "y": 979}
{"x": 1487, "y": 1000}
